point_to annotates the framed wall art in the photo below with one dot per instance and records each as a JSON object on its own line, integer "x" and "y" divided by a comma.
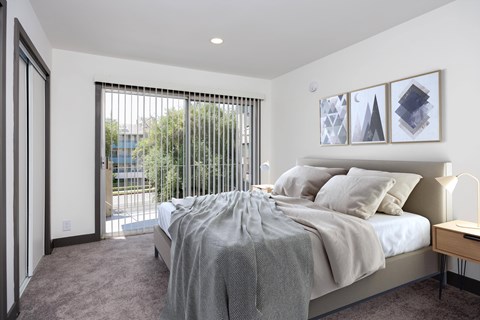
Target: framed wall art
{"x": 415, "y": 108}
{"x": 334, "y": 120}
{"x": 368, "y": 115}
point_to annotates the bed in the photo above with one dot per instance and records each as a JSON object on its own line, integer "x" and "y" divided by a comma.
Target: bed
{"x": 428, "y": 199}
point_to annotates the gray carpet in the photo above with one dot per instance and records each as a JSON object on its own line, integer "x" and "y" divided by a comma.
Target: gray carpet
{"x": 418, "y": 301}
{"x": 111, "y": 279}
{"x": 120, "y": 280}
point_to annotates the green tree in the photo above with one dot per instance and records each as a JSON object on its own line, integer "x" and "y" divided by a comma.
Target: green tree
{"x": 163, "y": 148}
{"x": 111, "y": 136}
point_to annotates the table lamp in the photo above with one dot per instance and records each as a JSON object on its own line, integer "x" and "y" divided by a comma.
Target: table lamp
{"x": 450, "y": 182}
{"x": 265, "y": 167}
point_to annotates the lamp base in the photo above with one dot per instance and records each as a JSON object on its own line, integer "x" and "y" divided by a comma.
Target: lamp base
{"x": 466, "y": 224}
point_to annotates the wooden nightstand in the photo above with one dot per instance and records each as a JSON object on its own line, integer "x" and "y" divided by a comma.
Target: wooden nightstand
{"x": 267, "y": 188}
{"x": 460, "y": 242}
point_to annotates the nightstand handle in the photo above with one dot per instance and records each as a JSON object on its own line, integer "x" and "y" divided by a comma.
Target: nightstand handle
{"x": 470, "y": 237}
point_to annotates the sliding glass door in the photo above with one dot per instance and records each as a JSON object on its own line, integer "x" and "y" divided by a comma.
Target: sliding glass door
{"x": 160, "y": 144}
{"x": 143, "y": 133}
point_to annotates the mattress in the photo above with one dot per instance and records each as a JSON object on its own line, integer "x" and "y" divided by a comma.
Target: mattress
{"x": 164, "y": 211}
{"x": 397, "y": 234}
{"x": 400, "y": 234}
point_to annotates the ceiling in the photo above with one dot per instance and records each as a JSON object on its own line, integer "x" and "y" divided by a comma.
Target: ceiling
{"x": 262, "y": 38}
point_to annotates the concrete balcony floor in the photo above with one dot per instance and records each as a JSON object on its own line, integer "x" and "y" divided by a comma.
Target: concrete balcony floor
{"x": 131, "y": 214}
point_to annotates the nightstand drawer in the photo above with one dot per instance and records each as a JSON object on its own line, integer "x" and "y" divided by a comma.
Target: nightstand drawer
{"x": 456, "y": 244}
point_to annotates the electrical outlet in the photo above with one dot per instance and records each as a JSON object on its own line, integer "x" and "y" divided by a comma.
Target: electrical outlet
{"x": 67, "y": 225}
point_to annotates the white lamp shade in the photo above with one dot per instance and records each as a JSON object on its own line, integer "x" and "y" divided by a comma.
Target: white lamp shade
{"x": 448, "y": 182}
{"x": 265, "y": 167}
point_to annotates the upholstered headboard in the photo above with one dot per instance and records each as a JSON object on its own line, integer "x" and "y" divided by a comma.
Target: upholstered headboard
{"x": 428, "y": 198}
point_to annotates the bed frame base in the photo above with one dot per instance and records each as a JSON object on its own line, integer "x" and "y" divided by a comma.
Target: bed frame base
{"x": 400, "y": 270}
{"x": 162, "y": 245}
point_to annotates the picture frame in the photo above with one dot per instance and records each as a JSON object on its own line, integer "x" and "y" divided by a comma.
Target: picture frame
{"x": 415, "y": 109}
{"x": 334, "y": 120}
{"x": 368, "y": 115}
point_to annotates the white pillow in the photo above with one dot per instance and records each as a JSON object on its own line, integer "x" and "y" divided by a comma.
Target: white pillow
{"x": 358, "y": 196}
{"x": 397, "y": 196}
{"x": 301, "y": 182}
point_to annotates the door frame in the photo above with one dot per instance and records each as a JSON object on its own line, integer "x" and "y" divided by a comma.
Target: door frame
{"x": 21, "y": 36}
{"x": 3, "y": 184}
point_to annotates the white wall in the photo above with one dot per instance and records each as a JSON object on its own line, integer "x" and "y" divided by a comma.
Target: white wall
{"x": 22, "y": 10}
{"x": 73, "y": 122}
{"x": 445, "y": 39}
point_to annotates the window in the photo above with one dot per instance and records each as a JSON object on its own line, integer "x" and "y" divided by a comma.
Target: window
{"x": 163, "y": 144}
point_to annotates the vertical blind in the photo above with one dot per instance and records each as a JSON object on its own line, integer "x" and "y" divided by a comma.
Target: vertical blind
{"x": 165, "y": 143}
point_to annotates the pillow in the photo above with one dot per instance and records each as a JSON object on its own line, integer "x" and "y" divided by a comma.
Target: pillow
{"x": 332, "y": 171}
{"x": 397, "y": 196}
{"x": 358, "y": 196}
{"x": 301, "y": 182}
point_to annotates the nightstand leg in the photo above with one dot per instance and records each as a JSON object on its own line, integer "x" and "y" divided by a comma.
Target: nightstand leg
{"x": 461, "y": 268}
{"x": 442, "y": 274}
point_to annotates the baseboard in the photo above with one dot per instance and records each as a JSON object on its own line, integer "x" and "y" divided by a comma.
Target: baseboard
{"x": 70, "y": 241}
{"x": 13, "y": 313}
{"x": 469, "y": 284}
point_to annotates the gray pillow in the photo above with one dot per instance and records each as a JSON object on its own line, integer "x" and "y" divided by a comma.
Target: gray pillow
{"x": 397, "y": 196}
{"x": 301, "y": 182}
{"x": 358, "y": 196}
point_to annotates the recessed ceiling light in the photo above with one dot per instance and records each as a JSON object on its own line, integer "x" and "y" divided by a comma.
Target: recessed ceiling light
{"x": 216, "y": 40}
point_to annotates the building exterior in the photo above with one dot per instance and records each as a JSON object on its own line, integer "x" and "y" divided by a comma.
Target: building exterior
{"x": 127, "y": 170}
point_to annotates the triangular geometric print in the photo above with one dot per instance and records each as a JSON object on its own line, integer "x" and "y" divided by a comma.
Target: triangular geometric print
{"x": 333, "y": 114}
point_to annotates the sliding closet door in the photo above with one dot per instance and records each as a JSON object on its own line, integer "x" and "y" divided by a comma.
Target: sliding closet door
{"x": 36, "y": 96}
{"x": 31, "y": 194}
{"x": 23, "y": 173}
{"x": 31, "y": 146}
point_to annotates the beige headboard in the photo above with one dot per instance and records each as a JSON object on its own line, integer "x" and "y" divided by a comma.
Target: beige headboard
{"x": 428, "y": 198}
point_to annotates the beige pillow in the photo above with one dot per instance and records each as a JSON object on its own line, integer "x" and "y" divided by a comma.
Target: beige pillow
{"x": 397, "y": 196}
{"x": 332, "y": 171}
{"x": 358, "y": 196}
{"x": 301, "y": 182}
